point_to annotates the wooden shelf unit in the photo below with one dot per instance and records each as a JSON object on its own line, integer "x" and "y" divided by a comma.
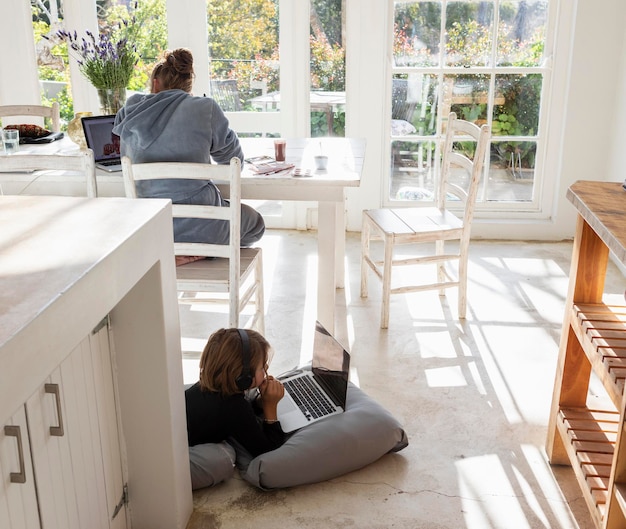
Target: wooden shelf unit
{"x": 587, "y": 436}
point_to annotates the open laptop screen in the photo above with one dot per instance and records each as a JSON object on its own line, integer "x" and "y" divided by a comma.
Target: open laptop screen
{"x": 330, "y": 364}
{"x": 100, "y": 138}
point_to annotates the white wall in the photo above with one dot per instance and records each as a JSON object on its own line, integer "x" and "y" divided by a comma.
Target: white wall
{"x": 187, "y": 28}
{"x": 616, "y": 170}
{"x": 368, "y": 61}
{"x": 18, "y": 80}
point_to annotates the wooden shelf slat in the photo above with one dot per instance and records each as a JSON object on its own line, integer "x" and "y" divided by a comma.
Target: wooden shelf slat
{"x": 601, "y": 329}
{"x": 590, "y": 437}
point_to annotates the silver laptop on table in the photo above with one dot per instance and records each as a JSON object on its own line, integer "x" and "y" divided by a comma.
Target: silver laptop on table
{"x": 314, "y": 395}
{"x": 104, "y": 144}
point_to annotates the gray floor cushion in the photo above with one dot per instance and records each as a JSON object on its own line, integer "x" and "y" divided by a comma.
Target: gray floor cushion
{"x": 211, "y": 464}
{"x": 337, "y": 445}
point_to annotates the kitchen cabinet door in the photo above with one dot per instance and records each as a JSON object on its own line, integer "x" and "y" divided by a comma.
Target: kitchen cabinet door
{"x": 18, "y": 498}
{"x": 75, "y": 441}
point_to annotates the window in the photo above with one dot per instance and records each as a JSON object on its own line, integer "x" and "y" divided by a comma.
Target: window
{"x": 244, "y": 55}
{"x": 486, "y": 61}
{"x": 328, "y": 69}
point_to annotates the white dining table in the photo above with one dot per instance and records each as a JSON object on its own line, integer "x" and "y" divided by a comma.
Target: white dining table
{"x": 327, "y": 188}
{"x": 345, "y": 163}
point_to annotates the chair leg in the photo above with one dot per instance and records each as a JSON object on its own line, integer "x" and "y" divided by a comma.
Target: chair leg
{"x": 233, "y": 306}
{"x": 462, "y": 287}
{"x": 388, "y": 258}
{"x": 365, "y": 252}
{"x": 441, "y": 273}
{"x": 260, "y": 297}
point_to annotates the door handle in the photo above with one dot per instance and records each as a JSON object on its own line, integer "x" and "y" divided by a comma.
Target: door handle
{"x": 14, "y": 431}
{"x": 54, "y": 389}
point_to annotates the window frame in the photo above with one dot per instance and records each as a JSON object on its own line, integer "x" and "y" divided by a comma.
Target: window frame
{"x": 540, "y": 204}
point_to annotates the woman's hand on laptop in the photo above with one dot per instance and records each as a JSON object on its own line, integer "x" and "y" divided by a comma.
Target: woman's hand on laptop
{"x": 272, "y": 391}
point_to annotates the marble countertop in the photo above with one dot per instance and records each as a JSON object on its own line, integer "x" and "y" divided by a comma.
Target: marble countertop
{"x": 64, "y": 264}
{"x": 48, "y": 243}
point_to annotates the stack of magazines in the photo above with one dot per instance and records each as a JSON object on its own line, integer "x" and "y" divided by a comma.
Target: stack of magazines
{"x": 264, "y": 165}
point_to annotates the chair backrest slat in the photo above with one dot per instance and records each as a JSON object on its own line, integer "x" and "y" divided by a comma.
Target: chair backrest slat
{"x": 182, "y": 211}
{"x": 225, "y": 174}
{"x": 81, "y": 162}
{"x": 52, "y": 112}
{"x": 459, "y": 131}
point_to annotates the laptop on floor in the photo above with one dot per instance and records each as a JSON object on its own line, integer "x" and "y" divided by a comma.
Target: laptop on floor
{"x": 104, "y": 144}
{"x": 313, "y": 395}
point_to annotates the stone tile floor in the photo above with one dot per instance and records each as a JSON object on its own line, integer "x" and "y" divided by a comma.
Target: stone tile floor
{"x": 474, "y": 396}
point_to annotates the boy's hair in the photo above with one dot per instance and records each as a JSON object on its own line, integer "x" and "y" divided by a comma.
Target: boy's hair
{"x": 222, "y": 362}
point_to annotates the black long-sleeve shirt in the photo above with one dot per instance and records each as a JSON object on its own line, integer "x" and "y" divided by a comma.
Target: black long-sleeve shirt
{"x": 212, "y": 418}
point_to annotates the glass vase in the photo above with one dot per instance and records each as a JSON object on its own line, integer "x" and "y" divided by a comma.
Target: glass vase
{"x": 111, "y": 100}
{"x": 75, "y": 129}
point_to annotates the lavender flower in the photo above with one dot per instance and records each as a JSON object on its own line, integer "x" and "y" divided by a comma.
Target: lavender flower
{"x": 106, "y": 63}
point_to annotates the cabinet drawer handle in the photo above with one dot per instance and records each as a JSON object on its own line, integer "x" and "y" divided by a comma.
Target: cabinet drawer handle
{"x": 54, "y": 389}
{"x": 14, "y": 431}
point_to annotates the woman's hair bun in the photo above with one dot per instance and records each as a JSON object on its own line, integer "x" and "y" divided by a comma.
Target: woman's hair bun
{"x": 181, "y": 60}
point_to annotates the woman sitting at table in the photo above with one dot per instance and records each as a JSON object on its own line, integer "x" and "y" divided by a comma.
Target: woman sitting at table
{"x": 171, "y": 125}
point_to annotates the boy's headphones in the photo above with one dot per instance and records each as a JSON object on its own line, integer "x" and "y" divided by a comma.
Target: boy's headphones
{"x": 244, "y": 380}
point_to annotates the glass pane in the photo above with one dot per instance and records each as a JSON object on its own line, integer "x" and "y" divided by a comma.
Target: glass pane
{"x": 413, "y": 105}
{"x": 244, "y": 64}
{"x": 328, "y": 69}
{"x": 469, "y": 33}
{"x": 147, "y": 28}
{"x": 52, "y": 61}
{"x": 521, "y": 33}
{"x": 516, "y": 110}
{"x": 512, "y": 171}
{"x": 417, "y": 33}
{"x": 467, "y": 95}
{"x": 413, "y": 169}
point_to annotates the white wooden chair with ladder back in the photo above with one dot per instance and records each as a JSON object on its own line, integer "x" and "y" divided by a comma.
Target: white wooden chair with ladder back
{"x": 235, "y": 275}
{"x": 449, "y": 220}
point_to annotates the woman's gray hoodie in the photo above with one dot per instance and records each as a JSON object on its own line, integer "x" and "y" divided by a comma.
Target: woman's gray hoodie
{"x": 174, "y": 126}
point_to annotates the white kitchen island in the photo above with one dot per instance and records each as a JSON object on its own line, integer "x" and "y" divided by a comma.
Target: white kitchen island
{"x": 92, "y": 417}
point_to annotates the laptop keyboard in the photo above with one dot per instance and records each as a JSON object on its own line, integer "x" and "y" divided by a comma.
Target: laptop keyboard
{"x": 311, "y": 401}
{"x": 107, "y": 163}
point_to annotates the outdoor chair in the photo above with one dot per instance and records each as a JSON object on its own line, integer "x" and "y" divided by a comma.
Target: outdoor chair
{"x": 233, "y": 276}
{"x": 401, "y": 107}
{"x": 226, "y": 93}
{"x": 81, "y": 162}
{"x": 438, "y": 225}
{"x": 52, "y": 112}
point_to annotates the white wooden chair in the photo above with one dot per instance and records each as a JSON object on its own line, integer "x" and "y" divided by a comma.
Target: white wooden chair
{"x": 52, "y": 112}
{"x": 433, "y": 225}
{"x": 82, "y": 162}
{"x": 235, "y": 271}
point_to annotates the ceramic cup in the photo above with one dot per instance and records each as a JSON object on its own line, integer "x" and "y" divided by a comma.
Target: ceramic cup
{"x": 321, "y": 162}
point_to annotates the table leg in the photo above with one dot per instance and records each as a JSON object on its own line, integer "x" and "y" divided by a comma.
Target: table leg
{"x": 327, "y": 263}
{"x": 340, "y": 245}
